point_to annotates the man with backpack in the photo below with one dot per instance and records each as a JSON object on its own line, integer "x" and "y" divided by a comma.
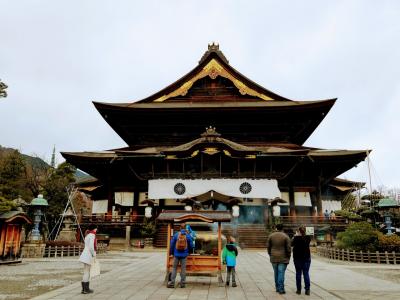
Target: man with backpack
{"x": 181, "y": 244}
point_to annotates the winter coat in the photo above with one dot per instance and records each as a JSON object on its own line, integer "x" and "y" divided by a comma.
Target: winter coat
{"x": 229, "y": 255}
{"x": 279, "y": 249}
{"x": 184, "y": 253}
{"x": 88, "y": 252}
{"x": 301, "y": 248}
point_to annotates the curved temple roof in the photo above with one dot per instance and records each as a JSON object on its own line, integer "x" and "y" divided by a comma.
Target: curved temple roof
{"x": 214, "y": 93}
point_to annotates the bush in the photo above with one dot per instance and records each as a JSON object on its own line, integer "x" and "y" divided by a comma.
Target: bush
{"x": 148, "y": 228}
{"x": 359, "y": 236}
{"x": 6, "y": 205}
{"x": 389, "y": 242}
{"x": 348, "y": 215}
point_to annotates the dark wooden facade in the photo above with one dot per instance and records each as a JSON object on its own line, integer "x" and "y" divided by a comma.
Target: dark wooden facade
{"x": 251, "y": 133}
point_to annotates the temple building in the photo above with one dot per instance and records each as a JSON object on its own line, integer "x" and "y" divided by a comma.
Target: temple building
{"x": 214, "y": 139}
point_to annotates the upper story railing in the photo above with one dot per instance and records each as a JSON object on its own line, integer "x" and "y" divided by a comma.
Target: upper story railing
{"x": 112, "y": 219}
{"x": 315, "y": 220}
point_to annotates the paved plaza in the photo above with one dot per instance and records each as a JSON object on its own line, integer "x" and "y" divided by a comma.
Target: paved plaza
{"x": 143, "y": 279}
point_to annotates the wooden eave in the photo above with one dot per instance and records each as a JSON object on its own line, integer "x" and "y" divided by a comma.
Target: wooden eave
{"x": 131, "y": 123}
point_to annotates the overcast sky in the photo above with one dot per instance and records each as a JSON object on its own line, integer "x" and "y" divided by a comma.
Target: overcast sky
{"x": 58, "y": 56}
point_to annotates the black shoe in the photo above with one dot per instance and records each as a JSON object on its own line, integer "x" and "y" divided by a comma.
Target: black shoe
{"x": 298, "y": 292}
{"x": 282, "y": 292}
{"x": 227, "y": 283}
{"x": 83, "y": 288}
{"x": 182, "y": 285}
{"x": 308, "y": 292}
{"x": 171, "y": 285}
{"x": 234, "y": 284}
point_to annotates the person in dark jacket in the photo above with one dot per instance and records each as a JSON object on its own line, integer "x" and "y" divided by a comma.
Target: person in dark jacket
{"x": 229, "y": 259}
{"x": 180, "y": 256}
{"x": 279, "y": 251}
{"x": 302, "y": 259}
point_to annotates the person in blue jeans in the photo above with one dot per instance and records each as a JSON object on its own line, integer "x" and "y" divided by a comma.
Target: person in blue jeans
{"x": 181, "y": 245}
{"x": 302, "y": 259}
{"x": 279, "y": 251}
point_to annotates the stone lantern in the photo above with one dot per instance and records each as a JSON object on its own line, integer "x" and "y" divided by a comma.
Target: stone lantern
{"x": 68, "y": 232}
{"x": 37, "y": 205}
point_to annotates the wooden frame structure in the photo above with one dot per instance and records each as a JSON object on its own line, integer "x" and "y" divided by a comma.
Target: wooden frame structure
{"x": 195, "y": 264}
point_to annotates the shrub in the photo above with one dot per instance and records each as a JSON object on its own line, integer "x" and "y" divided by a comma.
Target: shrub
{"x": 6, "y": 205}
{"x": 389, "y": 242}
{"x": 148, "y": 228}
{"x": 359, "y": 236}
{"x": 348, "y": 215}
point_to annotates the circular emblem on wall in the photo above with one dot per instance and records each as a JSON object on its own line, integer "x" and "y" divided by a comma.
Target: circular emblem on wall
{"x": 245, "y": 188}
{"x": 179, "y": 188}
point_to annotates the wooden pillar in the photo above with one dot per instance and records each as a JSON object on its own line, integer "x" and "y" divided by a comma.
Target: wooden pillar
{"x": 168, "y": 245}
{"x": 135, "y": 199}
{"x": 219, "y": 246}
{"x": 292, "y": 205}
{"x": 318, "y": 197}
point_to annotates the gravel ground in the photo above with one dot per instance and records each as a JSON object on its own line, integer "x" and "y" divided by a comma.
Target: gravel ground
{"x": 34, "y": 277}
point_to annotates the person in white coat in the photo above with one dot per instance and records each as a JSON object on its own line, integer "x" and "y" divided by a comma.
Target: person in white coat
{"x": 87, "y": 257}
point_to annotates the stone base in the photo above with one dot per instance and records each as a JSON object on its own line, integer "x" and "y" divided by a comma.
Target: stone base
{"x": 67, "y": 235}
{"x": 33, "y": 249}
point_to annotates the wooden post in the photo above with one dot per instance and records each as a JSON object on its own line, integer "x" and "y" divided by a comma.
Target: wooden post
{"x": 387, "y": 257}
{"x": 168, "y": 250}
{"x": 49, "y": 250}
{"x": 362, "y": 256}
{"x": 378, "y": 257}
{"x": 343, "y": 254}
{"x": 394, "y": 257}
{"x": 219, "y": 246}
{"x": 354, "y": 255}
{"x": 55, "y": 252}
{"x": 292, "y": 206}
{"x": 62, "y": 251}
{"x": 369, "y": 257}
{"x": 69, "y": 247}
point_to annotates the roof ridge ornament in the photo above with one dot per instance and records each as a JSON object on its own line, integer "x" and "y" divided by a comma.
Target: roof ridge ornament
{"x": 213, "y": 47}
{"x": 210, "y": 132}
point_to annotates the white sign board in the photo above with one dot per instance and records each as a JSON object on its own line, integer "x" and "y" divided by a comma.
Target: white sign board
{"x": 309, "y": 230}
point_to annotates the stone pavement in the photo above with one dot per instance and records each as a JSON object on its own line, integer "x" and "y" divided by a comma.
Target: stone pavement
{"x": 143, "y": 279}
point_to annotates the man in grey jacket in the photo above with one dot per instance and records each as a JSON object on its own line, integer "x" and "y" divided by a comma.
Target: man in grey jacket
{"x": 279, "y": 251}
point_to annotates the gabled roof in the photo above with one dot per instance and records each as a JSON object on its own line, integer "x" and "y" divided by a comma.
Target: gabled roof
{"x": 213, "y": 64}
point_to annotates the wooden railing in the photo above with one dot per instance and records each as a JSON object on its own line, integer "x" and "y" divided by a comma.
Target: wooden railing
{"x": 312, "y": 220}
{"x": 105, "y": 219}
{"x": 61, "y": 251}
{"x": 360, "y": 256}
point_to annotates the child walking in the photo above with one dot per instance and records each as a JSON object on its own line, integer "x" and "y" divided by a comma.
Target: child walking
{"x": 229, "y": 258}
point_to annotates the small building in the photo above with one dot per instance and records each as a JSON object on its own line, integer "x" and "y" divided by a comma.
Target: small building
{"x": 11, "y": 225}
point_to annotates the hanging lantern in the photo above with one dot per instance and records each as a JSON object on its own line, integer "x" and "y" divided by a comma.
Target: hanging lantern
{"x": 188, "y": 207}
{"x": 147, "y": 211}
{"x": 276, "y": 211}
{"x": 235, "y": 211}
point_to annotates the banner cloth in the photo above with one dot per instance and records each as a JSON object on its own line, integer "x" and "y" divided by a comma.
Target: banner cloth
{"x": 186, "y": 188}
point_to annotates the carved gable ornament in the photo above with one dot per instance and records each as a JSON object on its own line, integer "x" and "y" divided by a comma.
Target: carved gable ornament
{"x": 213, "y": 69}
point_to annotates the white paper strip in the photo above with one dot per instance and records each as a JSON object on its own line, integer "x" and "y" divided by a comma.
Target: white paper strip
{"x": 99, "y": 206}
{"x": 186, "y": 188}
{"x": 331, "y": 205}
{"x": 302, "y": 199}
{"x": 123, "y": 198}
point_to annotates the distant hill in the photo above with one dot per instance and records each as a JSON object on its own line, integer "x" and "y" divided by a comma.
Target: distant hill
{"x": 38, "y": 162}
